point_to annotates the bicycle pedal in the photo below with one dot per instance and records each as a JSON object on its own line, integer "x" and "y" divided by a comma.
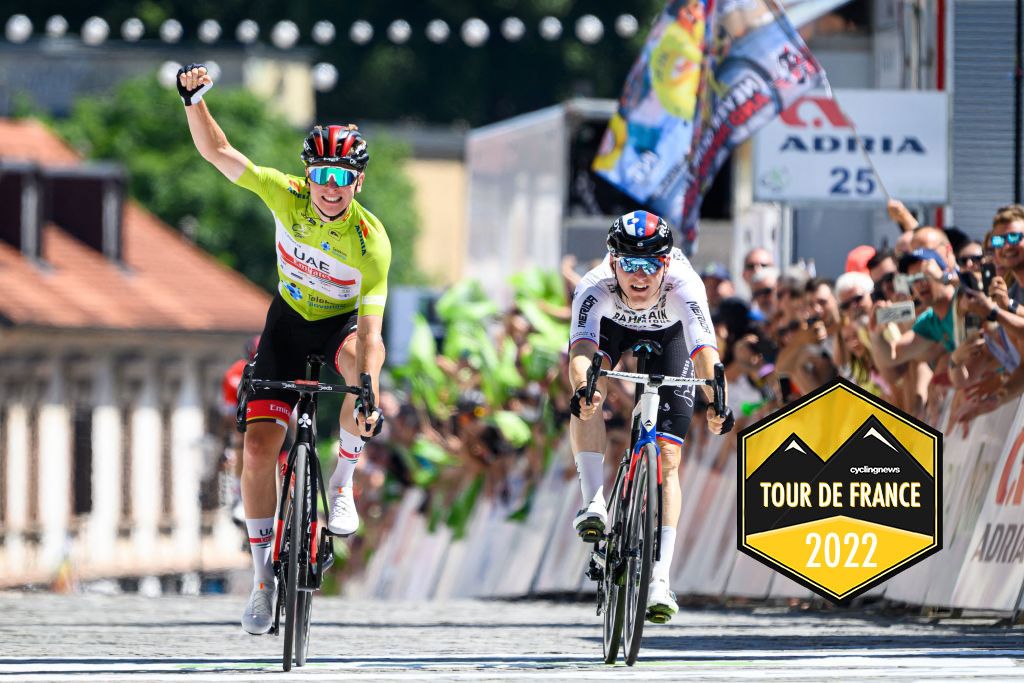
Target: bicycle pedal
{"x": 658, "y": 616}
{"x": 331, "y": 533}
{"x": 327, "y": 563}
{"x": 590, "y": 532}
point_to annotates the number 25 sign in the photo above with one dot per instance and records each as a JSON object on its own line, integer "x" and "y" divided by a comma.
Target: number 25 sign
{"x": 815, "y": 150}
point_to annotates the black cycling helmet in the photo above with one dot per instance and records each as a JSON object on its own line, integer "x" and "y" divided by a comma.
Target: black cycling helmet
{"x": 335, "y": 145}
{"x": 639, "y": 233}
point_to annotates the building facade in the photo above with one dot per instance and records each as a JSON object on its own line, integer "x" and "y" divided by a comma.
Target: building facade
{"x": 115, "y": 333}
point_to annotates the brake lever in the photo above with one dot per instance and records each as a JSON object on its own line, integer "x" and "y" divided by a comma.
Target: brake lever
{"x": 593, "y": 372}
{"x": 719, "y": 389}
{"x": 366, "y": 394}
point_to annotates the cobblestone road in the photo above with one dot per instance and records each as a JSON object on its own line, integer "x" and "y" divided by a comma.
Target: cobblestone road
{"x": 47, "y": 637}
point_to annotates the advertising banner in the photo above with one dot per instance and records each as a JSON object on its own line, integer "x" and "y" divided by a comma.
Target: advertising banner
{"x": 699, "y": 89}
{"x": 993, "y": 571}
{"x": 811, "y": 153}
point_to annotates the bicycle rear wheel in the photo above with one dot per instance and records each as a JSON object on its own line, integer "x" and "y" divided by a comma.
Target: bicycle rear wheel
{"x": 296, "y": 522}
{"x": 611, "y": 583}
{"x": 638, "y": 547}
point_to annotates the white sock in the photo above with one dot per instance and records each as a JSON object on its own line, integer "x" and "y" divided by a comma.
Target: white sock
{"x": 590, "y": 467}
{"x": 348, "y": 455}
{"x": 261, "y": 543}
{"x": 668, "y": 547}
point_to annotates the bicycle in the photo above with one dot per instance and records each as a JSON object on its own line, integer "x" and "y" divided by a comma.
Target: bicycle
{"x": 622, "y": 559}
{"x": 299, "y": 562}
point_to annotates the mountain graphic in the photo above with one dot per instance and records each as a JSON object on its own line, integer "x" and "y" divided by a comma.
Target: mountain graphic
{"x": 871, "y": 445}
{"x": 793, "y": 462}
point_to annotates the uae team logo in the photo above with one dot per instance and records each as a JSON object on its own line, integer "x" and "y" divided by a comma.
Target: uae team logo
{"x": 840, "y": 491}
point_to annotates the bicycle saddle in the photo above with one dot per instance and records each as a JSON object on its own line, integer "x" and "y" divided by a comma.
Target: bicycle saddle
{"x": 648, "y": 346}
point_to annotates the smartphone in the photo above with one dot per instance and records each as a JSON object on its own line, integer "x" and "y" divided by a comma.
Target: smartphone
{"x": 972, "y": 323}
{"x": 988, "y": 271}
{"x": 901, "y": 283}
{"x": 902, "y": 311}
{"x": 785, "y": 388}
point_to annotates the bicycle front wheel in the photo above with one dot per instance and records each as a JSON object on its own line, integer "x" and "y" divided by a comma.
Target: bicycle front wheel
{"x": 638, "y": 547}
{"x": 296, "y": 522}
{"x": 304, "y": 611}
{"x": 611, "y": 583}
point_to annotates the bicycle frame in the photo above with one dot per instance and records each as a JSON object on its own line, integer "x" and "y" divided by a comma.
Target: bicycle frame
{"x": 645, "y": 422}
{"x": 305, "y": 434}
{"x": 618, "y": 555}
{"x": 308, "y": 389}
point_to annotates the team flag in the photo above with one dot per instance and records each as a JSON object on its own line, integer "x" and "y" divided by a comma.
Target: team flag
{"x": 711, "y": 74}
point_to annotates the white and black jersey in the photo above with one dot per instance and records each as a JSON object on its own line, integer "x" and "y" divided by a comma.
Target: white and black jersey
{"x": 680, "y": 322}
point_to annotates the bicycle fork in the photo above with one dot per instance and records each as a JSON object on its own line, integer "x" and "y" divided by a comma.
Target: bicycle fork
{"x": 645, "y": 416}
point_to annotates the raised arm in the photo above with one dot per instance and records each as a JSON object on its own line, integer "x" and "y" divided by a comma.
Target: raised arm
{"x": 209, "y": 139}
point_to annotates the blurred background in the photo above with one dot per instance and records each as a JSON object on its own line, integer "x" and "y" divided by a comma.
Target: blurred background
{"x": 134, "y": 276}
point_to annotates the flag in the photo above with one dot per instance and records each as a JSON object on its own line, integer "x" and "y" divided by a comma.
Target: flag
{"x": 699, "y": 89}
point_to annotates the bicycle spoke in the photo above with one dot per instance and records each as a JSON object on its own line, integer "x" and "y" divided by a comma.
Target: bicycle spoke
{"x": 297, "y": 555}
{"x": 640, "y": 535}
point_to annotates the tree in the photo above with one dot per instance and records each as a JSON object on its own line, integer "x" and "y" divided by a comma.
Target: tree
{"x": 141, "y": 125}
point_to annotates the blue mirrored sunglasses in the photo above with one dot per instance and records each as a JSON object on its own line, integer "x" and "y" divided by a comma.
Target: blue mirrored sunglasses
{"x": 322, "y": 175}
{"x": 1000, "y": 241}
{"x": 631, "y": 264}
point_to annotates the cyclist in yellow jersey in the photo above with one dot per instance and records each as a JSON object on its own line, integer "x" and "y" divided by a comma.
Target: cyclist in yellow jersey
{"x": 332, "y": 260}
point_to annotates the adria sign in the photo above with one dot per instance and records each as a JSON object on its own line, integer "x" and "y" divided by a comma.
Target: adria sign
{"x": 812, "y": 154}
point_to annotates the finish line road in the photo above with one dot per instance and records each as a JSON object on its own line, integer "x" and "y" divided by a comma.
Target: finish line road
{"x": 45, "y": 637}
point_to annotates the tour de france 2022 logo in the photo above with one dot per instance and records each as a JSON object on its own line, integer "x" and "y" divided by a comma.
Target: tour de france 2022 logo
{"x": 839, "y": 491}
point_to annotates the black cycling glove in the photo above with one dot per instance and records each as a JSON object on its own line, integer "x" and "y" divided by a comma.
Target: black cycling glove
{"x": 190, "y": 97}
{"x": 377, "y": 425}
{"x": 574, "y": 402}
{"x": 730, "y": 421}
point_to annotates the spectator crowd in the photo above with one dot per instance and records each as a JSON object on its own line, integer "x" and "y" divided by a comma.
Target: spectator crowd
{"x": 930, "y": 323}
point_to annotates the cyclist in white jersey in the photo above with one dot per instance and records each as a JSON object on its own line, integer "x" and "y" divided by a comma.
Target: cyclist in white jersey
{"x": 644, "y": 289}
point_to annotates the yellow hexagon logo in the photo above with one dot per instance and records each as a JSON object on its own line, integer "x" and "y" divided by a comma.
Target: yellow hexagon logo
{"x": 840, "y": 491}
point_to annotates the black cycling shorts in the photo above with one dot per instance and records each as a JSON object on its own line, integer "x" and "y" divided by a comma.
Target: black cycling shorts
{"x": 286, "y": 341}
{"x": 676, "y": 405}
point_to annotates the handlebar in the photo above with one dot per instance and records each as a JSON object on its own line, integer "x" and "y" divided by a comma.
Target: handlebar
{"x": 717, "y": 384}
{"x": 304, "y": 386}
{"x": 248, "y": 383}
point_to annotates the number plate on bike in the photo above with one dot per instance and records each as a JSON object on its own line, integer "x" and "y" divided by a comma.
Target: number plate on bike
{"x": 840, "y": 491}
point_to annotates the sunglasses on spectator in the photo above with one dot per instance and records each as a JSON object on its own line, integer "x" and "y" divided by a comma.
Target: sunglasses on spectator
{"x": 631, "y": 264}
{"x": 755, "y": 264}
{"x": 322, "y": 175}
{"x": 1000, "y": 241}
{"x": 886, "y": 279}
{"x": 969, "y": 258}
{"x": 767, "y": 291}
{"x": 844, "y": 306}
